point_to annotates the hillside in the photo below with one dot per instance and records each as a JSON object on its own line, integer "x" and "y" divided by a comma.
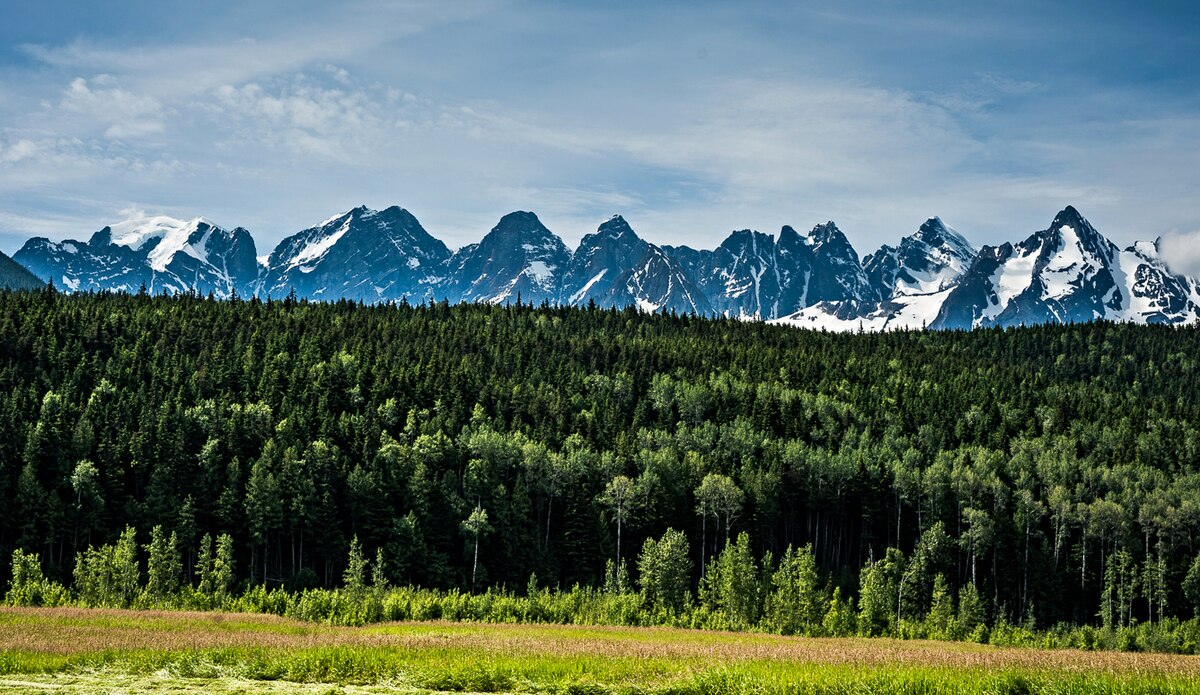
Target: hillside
{"x": 14, "y": 276}
{"x": 1046, "y": 467}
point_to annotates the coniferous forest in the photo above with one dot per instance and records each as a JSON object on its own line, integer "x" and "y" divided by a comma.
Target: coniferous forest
{"x": 735, "y": 474}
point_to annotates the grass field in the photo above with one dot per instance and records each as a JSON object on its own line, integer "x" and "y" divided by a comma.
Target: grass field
{"x": 78, "y": 650}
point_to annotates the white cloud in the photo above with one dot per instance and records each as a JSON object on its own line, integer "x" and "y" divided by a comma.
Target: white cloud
{"x": 1181, "y": 252}
{"x": 122, "y": 114}
{"x": 19, "y": 150}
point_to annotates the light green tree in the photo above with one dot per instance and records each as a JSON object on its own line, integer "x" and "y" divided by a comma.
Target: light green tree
{"x": 796, "y": 603}
{"x": 664, "y": 572}
{"x": 163, "y": 565}
{"x": 618, "y": 496}
{"x": 476, "y": 526}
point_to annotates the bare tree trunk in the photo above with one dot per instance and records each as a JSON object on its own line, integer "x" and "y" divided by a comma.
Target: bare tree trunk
{"x": 475, "y": 563}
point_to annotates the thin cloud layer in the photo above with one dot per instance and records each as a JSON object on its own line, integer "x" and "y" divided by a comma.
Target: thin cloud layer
{"x": 691, "y": 124}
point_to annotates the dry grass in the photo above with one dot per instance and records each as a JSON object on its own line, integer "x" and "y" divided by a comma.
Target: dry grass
{"x": 75, "y": 631}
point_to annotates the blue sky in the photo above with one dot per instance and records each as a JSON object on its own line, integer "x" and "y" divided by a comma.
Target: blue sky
{"x": 691, "y": 119}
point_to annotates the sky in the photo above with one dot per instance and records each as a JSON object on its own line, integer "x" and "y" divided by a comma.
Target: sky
{"x": 691, "y": 119}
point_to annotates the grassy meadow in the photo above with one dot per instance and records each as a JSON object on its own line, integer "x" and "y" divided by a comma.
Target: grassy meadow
{"x": 82, "y": 650}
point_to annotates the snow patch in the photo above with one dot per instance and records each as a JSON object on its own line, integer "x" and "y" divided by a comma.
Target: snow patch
{"x": 578, "y": 296}
{"x": 1067, "y": 265}
{"x": 647, "y": 306}
{"x": 538, "y": 270}
{"x": 317, "y": 249}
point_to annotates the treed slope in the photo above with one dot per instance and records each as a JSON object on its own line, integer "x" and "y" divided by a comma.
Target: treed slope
{"x": 295, "y": 426}
{"x": 15, "y": 276}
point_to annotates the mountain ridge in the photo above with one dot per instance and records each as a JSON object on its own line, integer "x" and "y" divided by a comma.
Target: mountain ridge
{"x": 932, "y": 278}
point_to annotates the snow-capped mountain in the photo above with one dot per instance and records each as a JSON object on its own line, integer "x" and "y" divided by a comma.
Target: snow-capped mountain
{"x": 928, "y": 261}
{"x": 519, "y": 257}
{"x": 157, "y": 253}
{"x": 657, "y": 284}
{"x": 616, "y": 267}
{"x": 753, "y": 276}
{"x": 933, "y": 278}
{"x": 837, "y": 273}
{"x": 599, "y": 261}
{"x": 1152, "y": 293}
{"x": 742, "y": 276}
{"x": 1067, "y": 273}
{"x": 362, "y": 254}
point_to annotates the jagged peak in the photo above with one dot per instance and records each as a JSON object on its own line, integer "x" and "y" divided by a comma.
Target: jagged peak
{"x": 935, "y": 232}
{"x": 828, "y": 234}
{"x": 1070, "y": 217}
{"x": 614, "y": 226}
{"x": 103, "y": 237}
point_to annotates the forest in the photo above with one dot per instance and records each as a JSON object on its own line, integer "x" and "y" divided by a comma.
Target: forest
{"x": 716, "y": 473}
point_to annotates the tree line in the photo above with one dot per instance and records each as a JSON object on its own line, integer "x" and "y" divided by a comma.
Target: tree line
{"x": 1042, "y": 475}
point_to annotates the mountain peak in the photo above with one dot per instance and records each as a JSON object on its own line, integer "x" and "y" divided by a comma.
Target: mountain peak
{"x": 614, "y": 226}
{"x": 102, "y": 237}
{"x": 1070, "y": 217}
{"x": 521, "y": 217}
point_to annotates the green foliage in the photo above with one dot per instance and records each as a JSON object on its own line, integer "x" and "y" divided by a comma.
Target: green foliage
{"x": 970, "y": 614}
{"x": 29, "y": 587}
{"x": 1059, "y": 460}
{"x": 109, "y": 575}
{"x": 840, "y": 618}
{"x": 731, "y": 589}
{"x": 797, "y": 604}
{"x": 879, "y": 594}
{"x": 940, "y": 622}
{"x": 163, "y": 565}
{"x": 355, "y": 576}
{"x": 1191, "y": 586}
{"x": 665, "y": 573}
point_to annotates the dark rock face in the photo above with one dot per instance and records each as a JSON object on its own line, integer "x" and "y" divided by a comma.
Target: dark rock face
{"x": 362, "y": 254}
{"x": 518, "y": 258}
{"x": 753, "y": 275}
{"x": 615, "y": 268}
{"x": 597, "y": 265}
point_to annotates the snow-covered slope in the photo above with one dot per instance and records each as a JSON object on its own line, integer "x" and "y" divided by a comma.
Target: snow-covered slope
{"x": 361, "y": 254}
{"x": 1151, "y": 292}
{"x": 158, "y": 253}
{"x": 1066, "y": 273}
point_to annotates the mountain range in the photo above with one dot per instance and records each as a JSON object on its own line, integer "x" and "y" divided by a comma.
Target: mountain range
{"x": 933, "y": 278}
